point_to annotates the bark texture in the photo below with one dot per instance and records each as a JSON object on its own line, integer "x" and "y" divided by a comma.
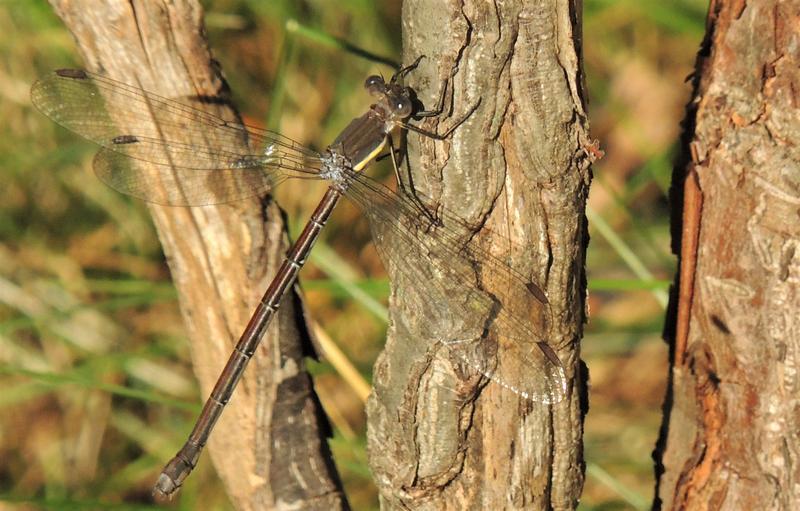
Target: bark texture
{"x": 730, "y": 435}
{"x": 438, "y": 439}
{"x": 269, "y": 446}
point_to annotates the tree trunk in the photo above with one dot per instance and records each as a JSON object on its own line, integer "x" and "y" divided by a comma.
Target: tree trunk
{"x": 214, "y": 254}
{"x": 729, "y": 438}
{"x": 520, "y": 165}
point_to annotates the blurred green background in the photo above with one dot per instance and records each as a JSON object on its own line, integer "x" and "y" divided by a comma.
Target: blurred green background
{"x": 96, "y": 391}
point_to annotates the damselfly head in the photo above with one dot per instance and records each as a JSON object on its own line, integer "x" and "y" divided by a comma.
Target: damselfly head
{"x": 394, "y": 100}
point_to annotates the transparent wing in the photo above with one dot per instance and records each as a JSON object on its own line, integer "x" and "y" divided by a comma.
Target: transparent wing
{"x": 169, "y": 152}
{"x": 195, "y": 157}
{"x": 454, "y": 278}
{"x": 170, "y": 185}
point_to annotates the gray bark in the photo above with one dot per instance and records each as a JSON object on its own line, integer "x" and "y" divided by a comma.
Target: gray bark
{"x": 520, "y": 166}
{"x": 730, "y": 435}
{"x": 220, "y": 258}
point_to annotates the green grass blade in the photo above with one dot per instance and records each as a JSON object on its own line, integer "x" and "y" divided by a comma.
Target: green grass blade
{"x": 626, "y": 254}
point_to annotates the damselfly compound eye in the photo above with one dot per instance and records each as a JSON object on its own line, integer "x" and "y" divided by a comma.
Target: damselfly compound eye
{"x": 402, "y": 106}
{"x": 375, "y": 85}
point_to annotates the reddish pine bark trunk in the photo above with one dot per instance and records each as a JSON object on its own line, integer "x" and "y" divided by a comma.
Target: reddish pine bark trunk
{"x": 729, "y": 439}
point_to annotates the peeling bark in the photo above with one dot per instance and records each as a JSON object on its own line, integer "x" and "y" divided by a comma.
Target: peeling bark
{"x": 439, "y": 438}
{"x": 221, "y": 259}
{"x": 730, "y": 434}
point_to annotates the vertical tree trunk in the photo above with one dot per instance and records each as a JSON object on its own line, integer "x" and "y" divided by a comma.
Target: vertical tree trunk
{"x": 729, "y": 439}
{"x": 520, "y": 166}
{"x": 221, "y": 258}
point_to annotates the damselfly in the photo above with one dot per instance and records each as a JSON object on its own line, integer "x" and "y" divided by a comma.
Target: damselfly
{"x": 170, "y": 152}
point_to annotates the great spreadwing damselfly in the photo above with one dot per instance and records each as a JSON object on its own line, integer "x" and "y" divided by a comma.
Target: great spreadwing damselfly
{"x": 169, "y": 152}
